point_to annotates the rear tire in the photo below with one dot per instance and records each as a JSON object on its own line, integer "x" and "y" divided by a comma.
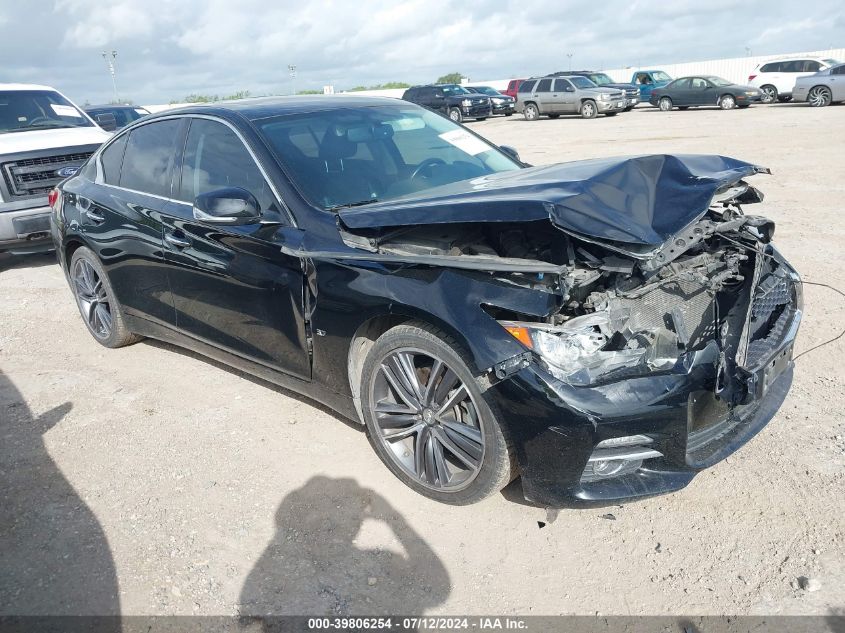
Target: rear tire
{"x": 100, "y": 309}
{"x": 455, "y": 115}
{"x": 768, "y": 94}
{"x": 531, "y": 112}
{"x": 589, "y": 110}
{"x": 665, "y": 104}
{"x": 444, "y": 442}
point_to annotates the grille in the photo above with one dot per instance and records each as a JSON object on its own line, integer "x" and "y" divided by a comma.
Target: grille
{"x": 29, "y": 177}
{"x": 631, "y": 92}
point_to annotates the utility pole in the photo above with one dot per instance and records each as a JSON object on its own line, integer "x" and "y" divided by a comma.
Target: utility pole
{"x": 569, "y": 55}
{"x": 110, "y": 64}
{"x": 292, "y": 70}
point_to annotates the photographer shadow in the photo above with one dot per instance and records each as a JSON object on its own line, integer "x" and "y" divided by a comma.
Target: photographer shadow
{"x": 340, "y": 550}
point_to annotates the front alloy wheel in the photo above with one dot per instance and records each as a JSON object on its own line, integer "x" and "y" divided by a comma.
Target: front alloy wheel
{"x": 588, "y": 110}
{"x": 428, "y": 420}
{"x": 455, "y": 115}
{"x": 727, "y": 102}
{"x": 819, "y": 97}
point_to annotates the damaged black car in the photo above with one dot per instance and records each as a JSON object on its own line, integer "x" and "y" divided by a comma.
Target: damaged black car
{"x": 603, "y": 329}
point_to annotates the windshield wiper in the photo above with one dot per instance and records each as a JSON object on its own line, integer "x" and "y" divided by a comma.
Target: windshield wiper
{"x": 348, "y": 205}
{"x": 51, "y": 124}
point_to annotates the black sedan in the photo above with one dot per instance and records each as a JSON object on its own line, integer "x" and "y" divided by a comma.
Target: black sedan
{"x": 113, "y": 117}
{"x": 604, "y": 328}
{"x": 707, "y": 90}
{"x": 502, "y": 104}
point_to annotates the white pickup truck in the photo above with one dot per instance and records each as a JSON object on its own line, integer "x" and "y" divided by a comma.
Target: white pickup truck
{"x": 44, "y": 138}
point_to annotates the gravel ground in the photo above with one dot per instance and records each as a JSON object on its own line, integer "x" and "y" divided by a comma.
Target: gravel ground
{"x": 148, "y": 480}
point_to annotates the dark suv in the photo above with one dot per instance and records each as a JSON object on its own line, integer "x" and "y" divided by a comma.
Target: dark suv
{"x": 451, "y": 99}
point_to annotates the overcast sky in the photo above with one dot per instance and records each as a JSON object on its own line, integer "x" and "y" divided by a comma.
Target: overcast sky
{"x": 167, "y": 49}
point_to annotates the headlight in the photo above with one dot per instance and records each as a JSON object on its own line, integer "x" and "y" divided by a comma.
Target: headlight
{"x": 586, "y": 349}
{"x": 604, "y": 97}
{"x": 497, "y": 100}
{"x": 751, "y": 93}
{"x": 466, "y": 103}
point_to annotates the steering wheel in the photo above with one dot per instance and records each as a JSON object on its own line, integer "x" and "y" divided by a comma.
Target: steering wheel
{"x": 38, "y": 119}
{"x": 428, "y": 163}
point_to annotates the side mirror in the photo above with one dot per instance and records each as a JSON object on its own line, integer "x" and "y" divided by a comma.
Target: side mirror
{"x": 570, "y": 89}
{"x": 510, "y": 151}
{"x": 230, "y": 205}
{"x": 106, "y": 121}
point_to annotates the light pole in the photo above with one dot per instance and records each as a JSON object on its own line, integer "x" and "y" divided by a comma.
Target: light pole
{"x": 110, "y": 64}
{"x": 569, "y": 55}
{"x": 292, "y": 70}
{"x": 747, "y": 52}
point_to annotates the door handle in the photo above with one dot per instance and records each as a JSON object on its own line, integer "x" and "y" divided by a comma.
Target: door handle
{"x": 175, "y": 240}
{"x": 95, "y": 216}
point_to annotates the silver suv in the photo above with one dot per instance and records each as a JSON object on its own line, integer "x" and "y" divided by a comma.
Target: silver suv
{"x": 554, "y": 96}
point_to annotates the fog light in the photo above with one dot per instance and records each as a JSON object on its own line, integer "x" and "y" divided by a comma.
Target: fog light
{"x": 607, "y": 468}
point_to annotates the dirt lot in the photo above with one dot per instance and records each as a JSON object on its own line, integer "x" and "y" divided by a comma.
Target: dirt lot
{"x": 155, "y": 482}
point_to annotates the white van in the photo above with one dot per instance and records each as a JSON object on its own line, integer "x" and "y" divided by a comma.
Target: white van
{"x": 44, "y": 138}
{"x": 776, "y": 78}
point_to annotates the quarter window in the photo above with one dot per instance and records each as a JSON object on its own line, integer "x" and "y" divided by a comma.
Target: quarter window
{"x": 216, "y": 158}
{"x": 526, "y": 86}
{"x": 112, "y": 158}
{"x": 148, "y": 159}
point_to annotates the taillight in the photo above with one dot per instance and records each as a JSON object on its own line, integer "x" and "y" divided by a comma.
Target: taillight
{"x": 751, "y": 78}
{"x": 53, "y": 197}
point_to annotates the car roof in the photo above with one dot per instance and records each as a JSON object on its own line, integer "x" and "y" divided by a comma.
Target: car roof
{"x": 264, "y": 107}
{"x": 792, "y": 58}
{"x": 10, "y": 87}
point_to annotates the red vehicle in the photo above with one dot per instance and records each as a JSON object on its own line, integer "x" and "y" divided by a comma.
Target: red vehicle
{"x": 513, "y": 86}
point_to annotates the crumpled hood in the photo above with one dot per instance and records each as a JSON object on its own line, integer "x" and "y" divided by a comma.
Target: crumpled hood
{"x": 641, "y": 200}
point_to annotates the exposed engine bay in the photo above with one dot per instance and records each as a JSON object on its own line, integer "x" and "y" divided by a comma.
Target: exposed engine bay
{"x": 625, "y": 310}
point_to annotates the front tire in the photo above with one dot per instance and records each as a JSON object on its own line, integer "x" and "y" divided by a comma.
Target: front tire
{"x": 427, "y": 417}
{"x": 589, "y": 110}
{"x": 531, "y": 112}
{"x": 727, "y": 102}
{"x": 455, "y": 115}
{"x": 819, "y": 96}
{"x": 665, "y": 104}
{"x": 96, "y": 301}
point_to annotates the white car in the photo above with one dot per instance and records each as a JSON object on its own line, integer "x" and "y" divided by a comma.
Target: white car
{"x": 44, "y": 138}
{"x": 776, "y": 78}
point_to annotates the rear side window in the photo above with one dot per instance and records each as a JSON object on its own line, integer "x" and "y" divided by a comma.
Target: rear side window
{"x": 527, "y": 86}
{"x": 149, "y": 158}
{"x": 545, "y": 85}
{"x": 216, "y": 158}
{"x": 111, "y": 160}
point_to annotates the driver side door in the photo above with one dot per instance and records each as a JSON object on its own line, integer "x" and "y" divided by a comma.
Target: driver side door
{"x": 232, "y": 286}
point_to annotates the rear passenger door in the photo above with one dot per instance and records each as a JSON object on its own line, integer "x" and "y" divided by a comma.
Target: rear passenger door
{"x": 121, "y": 218}
{"x": 233, "y": 288}
{"x": 543, "y": 95}
{"x": 681, "y": 94}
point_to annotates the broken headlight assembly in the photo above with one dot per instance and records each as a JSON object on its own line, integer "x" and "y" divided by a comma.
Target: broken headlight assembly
{"x": 597, "y": 347}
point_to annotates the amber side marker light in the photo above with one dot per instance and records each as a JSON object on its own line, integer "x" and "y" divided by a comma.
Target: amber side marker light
{"x": 520, "y": 334}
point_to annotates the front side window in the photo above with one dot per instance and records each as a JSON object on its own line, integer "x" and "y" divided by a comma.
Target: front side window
{"x": 699, "y": 84}
{"x": 216, "y": 158}
{"x": 562, "y": 85}
{"x": 377, "y": 153}
{"x": 149, "y": 158}
{"x": 27, "y": 110}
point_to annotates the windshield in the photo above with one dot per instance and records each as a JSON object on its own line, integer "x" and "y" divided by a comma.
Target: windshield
{"x": 600, "y": 79}
{"x": 718, "y": 81}
{"x": 24, "y": 110}
{"x": 581, "y": 82}
{"x": 356, "y": 156}
{"x": 831, "y": 62}
{"x": 659, "y": 75}
{"x": 454, "y": 90}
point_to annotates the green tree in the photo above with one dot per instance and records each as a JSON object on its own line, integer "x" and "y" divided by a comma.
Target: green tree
{"x": 240, "y": 94}
{"x": 451, "y": 78}
{"x": 195, "y": 98}
{"x": 309, "y": 92}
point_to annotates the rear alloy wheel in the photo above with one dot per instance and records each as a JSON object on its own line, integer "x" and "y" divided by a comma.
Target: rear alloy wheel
{"x": 589, "y": 110}
{"x": 665, "y": 104}
{"x": 530, "y": 112}
{"x": 768, "y": 94}
{"x": 428, "y": 420}
{"x": 819, "y": 96}
{"x": 727, "y": 102}
{"x": 455, "y": 115}
{"x": 96, "y": 301}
